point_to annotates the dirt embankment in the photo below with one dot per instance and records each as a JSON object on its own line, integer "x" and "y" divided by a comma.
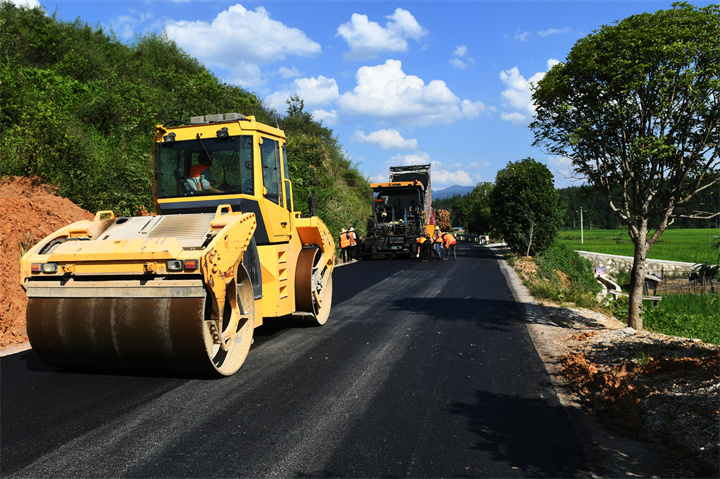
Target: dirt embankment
{"x": 29, "y": 211}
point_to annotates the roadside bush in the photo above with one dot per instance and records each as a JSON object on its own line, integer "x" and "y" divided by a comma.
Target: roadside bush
{"x": 565, "y": 276}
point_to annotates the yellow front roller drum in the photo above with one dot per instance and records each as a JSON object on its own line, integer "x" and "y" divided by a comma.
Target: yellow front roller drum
{"x": 127, "y": 325}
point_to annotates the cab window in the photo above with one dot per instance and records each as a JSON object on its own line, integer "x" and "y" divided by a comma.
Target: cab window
{"x": 286, "y": 175}
{"x": 184, "y": 169}
{"x": 270, "y": 157}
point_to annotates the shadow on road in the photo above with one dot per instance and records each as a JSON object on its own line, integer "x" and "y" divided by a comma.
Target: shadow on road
{"x": 526, "y": 445}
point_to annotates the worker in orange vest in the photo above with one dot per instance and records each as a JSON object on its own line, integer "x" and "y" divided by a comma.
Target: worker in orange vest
{"x": 352, "y": 238}
{"x": 420, "y": 241}
{"x": 200, "y": 175}
{"x": 425, "y": 247}
{"x": 344, "y": 244}
{"x": 450, "y": 242}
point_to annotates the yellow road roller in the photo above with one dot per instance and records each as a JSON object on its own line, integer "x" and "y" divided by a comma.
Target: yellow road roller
{"x": 184, "y": 290}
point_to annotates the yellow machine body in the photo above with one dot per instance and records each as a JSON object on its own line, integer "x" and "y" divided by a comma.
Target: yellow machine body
{"x": 401, "y": 213}
{"x": 185, "y": 289}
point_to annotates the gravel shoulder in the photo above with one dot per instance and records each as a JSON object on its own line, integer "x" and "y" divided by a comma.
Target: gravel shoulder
{"x": 644, "y": 404}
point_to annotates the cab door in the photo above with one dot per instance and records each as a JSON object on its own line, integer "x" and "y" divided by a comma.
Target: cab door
{"x": 277, "y": 205}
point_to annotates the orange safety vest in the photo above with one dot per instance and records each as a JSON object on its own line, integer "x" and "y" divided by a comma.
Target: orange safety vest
{"x": 195, "y": 172}
{"x": 421, "y": 239}
{"x": 439, "y": 239}
{"x": 344, "y": 240}
{"x": 449, "y": 239}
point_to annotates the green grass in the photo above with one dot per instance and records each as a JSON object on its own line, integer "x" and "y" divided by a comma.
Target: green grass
{"x": 688, "y": 245}
{"x": 687, "y": 315}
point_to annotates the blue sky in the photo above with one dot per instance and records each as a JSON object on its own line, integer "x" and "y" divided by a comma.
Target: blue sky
{"x": 440, "y": 82}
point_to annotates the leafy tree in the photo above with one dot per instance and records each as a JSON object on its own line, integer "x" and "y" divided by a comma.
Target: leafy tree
{"x": 636, "y": 108}
{"x": 525, "y": 207}
{"x": 597, "y": 212}
{"x": 479, "y": 215}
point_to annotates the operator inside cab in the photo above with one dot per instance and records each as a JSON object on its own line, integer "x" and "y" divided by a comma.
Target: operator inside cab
{"x": 200, "y": 175}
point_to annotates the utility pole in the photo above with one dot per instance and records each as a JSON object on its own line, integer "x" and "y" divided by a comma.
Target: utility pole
{"x": 582, "y": 239}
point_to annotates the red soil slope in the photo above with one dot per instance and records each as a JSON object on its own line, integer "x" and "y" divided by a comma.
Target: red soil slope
{"x": 29, "y": 211}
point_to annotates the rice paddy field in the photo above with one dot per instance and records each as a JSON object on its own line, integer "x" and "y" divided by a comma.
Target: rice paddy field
{"x": 687, "y": 245}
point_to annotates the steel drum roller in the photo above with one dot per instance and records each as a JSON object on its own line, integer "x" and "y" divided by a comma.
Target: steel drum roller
{"x": 139, "y": 333}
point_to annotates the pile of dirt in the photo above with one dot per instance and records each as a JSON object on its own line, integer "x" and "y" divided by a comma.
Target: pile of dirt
{"x": 30, "y": 210}
{"x": 660, "y": 393}
{"x": 660, "y": 389}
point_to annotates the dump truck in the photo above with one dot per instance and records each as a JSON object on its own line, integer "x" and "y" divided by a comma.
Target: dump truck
{"x": 185, "y": 289}
{"x": 401, "y": 213}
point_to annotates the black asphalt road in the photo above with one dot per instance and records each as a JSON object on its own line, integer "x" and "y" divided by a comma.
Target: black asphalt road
{"x": 423, "y": 370}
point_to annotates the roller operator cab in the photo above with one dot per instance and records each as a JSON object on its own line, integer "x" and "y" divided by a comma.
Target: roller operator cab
{"x": 185, "y": 289}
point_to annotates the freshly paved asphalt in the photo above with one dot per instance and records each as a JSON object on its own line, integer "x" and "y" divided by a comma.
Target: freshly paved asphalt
{"x": 423, "y": 370}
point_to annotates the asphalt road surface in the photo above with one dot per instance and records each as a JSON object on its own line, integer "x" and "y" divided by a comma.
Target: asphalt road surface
{"x": 423, "y": 370}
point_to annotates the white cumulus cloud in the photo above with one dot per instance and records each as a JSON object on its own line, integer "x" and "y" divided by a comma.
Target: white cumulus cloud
{"x": 240, "y": 40}
{"x": 288, "y": 72}
{"x": 327, "y": 117}
{"x": 314, "y": 92}
{"x": 460, "y": 51}
{"x": 517, "y": 97}
{"x": 444, "y": 176}
{"x": 386, "y": 92}
{"x": 318, "y": 91}
{"x": 385, "y": 139}
{"x": 367, "y": 39}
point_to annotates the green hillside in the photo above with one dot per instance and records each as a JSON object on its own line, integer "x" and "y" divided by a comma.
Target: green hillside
{"x": 78, "y": 108}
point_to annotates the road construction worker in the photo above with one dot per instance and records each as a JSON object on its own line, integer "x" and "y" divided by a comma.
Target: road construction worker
{"x": 344, "y": 244}
{"x": 449, "y": 241}
{"x": 419, "y": 245}
{"x": 352, "y": 238}
{"x": 425, "y": 247}
{"x": 358, "y": 243}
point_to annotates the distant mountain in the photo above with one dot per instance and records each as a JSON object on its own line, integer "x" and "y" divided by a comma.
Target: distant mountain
{"x": 451, "y": 191}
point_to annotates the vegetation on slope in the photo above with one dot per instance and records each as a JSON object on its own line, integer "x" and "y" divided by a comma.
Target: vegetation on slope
{"x": 79, "y": 107}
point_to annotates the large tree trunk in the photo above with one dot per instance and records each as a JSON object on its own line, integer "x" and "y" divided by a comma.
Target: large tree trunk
{"x": 637, "y": 279}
